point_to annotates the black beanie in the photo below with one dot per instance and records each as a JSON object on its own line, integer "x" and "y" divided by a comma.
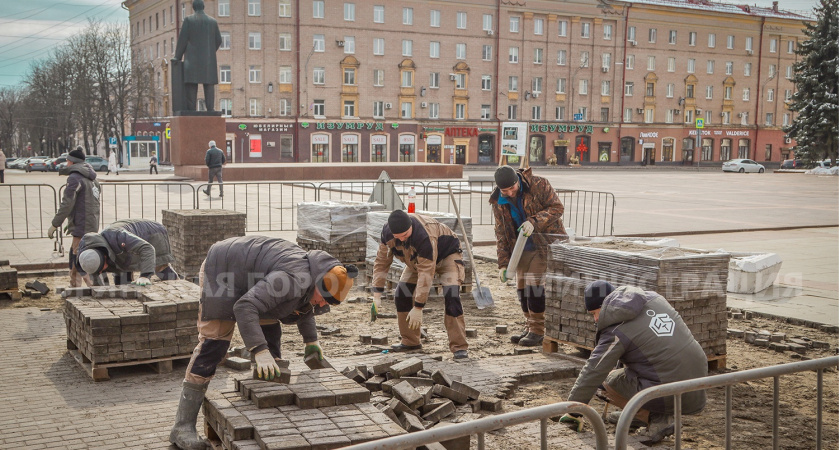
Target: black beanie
{"x": 77, "y": 155}
{"x": 595, "y": 294}
{"x": 399, "y": 222}
{"x": 506, "y": 177}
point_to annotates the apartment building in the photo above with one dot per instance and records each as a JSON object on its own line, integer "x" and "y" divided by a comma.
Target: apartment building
{"x": 368, "y": 80}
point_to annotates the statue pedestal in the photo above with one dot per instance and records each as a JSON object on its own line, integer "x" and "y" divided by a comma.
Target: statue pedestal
{"x": 190, "y": 135}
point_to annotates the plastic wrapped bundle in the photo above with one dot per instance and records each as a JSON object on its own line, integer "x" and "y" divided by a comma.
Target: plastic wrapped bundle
{"x": 334, "y": 221}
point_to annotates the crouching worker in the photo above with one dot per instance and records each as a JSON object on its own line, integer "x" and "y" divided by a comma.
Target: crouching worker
{"x": 255, "y": 282}
{"x": 641, "y": 330}
{"x": 127, "y": 246}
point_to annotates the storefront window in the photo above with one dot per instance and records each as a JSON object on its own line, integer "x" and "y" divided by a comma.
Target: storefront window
{"x": 536, "y": 144}
{"x": 286, "y": 147}
{"x": 379, "y": 148}
{"x": 582, "y": 148}
{"x": 688, "y": 149}
{"x": 725, "y": 149}
{"x": 434, "y": 144}
{"x": 667, "y": 150}
{"x": 768, "y": 152}
{"x": 407, "y": 148}
{"x": 604, "y": 151}
{"x": 707, "y": 149}
{"x": 743, "y": 148}
{"x": 485, "y": 149}
{"x": 320, "y": 148}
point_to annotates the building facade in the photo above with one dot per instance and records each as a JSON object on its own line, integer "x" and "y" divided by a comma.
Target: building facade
{"x": 608, "y": 82}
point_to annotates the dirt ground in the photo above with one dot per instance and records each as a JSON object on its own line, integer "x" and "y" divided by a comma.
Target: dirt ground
{"x": 751, "y": 404}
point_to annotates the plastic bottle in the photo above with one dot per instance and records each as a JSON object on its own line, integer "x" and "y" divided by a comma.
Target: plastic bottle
{"x": 412, "y": 195}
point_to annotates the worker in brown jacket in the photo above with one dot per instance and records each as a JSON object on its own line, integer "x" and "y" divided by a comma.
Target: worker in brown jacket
{"x": 525, "y": 201}
{"x": 427, "y": 247}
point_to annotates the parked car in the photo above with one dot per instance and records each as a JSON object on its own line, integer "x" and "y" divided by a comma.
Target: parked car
{"x": 98, "y": 163}
{"x": 36, "y": 164}
{"x": 19, "y": 163}
{"x": 61, "y": 165}
{"x": 792, "y": 164}
{"x": 823, "y": 164}
{"x": 742, "y": 165}
{"x": 10, "y": 160}
{"x": 55, "y": 162}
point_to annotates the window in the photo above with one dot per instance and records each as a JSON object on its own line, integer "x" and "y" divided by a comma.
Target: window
{"x": 771, "y": 95}
{"x": 408, "y": 16}
{"x": 461, "y": 20}
{"x": 538, "y": 56}
{"x": 728, "y": 67}
{"x": 747, "y": 69}
{"x": 690, "y": 68}
{"x": 608, "y": 29}
{"x": 649, "y": 115}
{"x": 460, "y": 51}
{"x": 786, "y": 119}
{"x": 788, "y": 71}
{"x": 669, "y": 116}
{"x": 407, "y": 47}
{"x": 584, "y": 59}
{"x": 536, "y": 113}
{"x": 692, "y": 38}
{"x": 487, "y": 22}
{"x": 434, "y": 110}
{"x": 513, "y": 55}
{"x": 669, "y": 90}
{"x": 487, "y": 53}
{"x": 561, "y": 85}
{"x": 253, "y": 8}
{"x": 318, "y": 108}
{"x": 460, "y": 111}
{"x": 706, "y": 149}
{"x": 224, "y": 9}
{"x": 772, "y": 71}
{"x": 226, "y": 106}
{"x": 585, "y": 29}
{"x": 349, "y": 108}
{"x": 318, "y": 9}
{"x": 407, "y": 79}
{"x": 434, "y": 18}
{"x": 631, "y": 62}
{"x": 746, "y": 95}
{"x": 224, "y": 74}
{"x": 689, "y": 91}
{"x": 768, "y": 119}
{"x": 672, "y": 36}
{"x": 434, "y": 49}
{"x": 284, "y": 8}
{"x": 561, "y": 57}
{"x": 649, "y": 90}
{"x": 285, "y": 42}
{"x": 378, "y": 77}
{"x": 513, "y": 83}
{"x": 349, "y": 45}
{"x": 379, "y": 14}
{"x": 560, "y": 113}
{"x": 225, "y": 41}
{"x": 539, "y": 27}
{"x": 350, "y": 12}
{"x": 318, "y": 75}
{"x": 511, "y": 112}
{"x": 562, "y": 28}
{"x": 628, "y": 115}
{"x": 730, "y": 42}
{"x": 434, "y": 80}
{"x": 254, "y": 41}
{"x": 514, "y": 24}
{"x": 379, "y": 46}
{"x": 583, "y": 111}
{"x": 285, "y": 75}
{"x": 631, "y": 34}
{"x": 285, "y": 107}
{"x": 254, "y": 107}
{"x": 672, "y": 64}
{"x": 605, "y": 87}
{"x": 749, "y": 43}
{"x": 606, "y": 59}
{"x": 486, "y": 82}
{"x": 788, "y": 95}
{"x": 773, "y": 45}
{"x": 605, "y": 114}
{"x": 460, "y": 81}
{"x": 254, "y": 74}
{"x": 711, "y": 40}
{"x": 790, "y": 46}
{"x": 727, "y": 92}
{"x": 583, "y": 87}
{"x": 709, "y": 92}
{"x": 350, "y": 76}
{"x": 536, "y": 85}
{"x": 710, "y": 66}
{"x": 651, "y": 63}
{"x": 318, "y": 42}
{"x": 652, "y": 35}
{"x": 485, "y": 112}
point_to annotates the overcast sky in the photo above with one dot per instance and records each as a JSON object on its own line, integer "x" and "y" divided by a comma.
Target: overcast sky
{"x": 30, "y": 29}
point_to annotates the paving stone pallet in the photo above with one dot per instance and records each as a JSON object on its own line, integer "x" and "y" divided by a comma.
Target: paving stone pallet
{"x": 193, "y": 231}
{"x": 395, "y": 272}
{"x": 131, "y": 325}
{"x": 348, "y": 252}
{"x": 8, "y": 277}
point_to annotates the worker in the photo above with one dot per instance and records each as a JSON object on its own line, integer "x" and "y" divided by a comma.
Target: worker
{"x": 255, "y": 282}
{"x": 526, "y": 202}
{"x": 645, "y": 333}
{"x": 127, "y": 246}
{"x": 427, "y": 247}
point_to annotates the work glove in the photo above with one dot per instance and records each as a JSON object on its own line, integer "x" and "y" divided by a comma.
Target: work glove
{"x": 573, "y": 422}
{"x": 313, "y": 347}
{"x": 267, "y": 367}
{"x": 51, "y": 232}
{"x": 143, "y": 281}
{"x": 527, "y": 228}
{"x": 415, "y": 318}
{"x": 503, "y": 275}
{"x": 376, "y": 306}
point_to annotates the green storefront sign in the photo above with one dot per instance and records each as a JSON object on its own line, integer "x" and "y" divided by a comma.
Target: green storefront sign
{"x": 561, "y": 128}
{"x": 376, "y": 126}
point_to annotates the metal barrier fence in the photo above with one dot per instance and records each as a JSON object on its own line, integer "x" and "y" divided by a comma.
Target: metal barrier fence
{"x": 728, "y": 379}
{"x": 28, "y": 210}
{"x": 269, "y": 206}
{"x": 142, "y": 200}
{"x": 589, "y": 213}
{"x": 481, "y": 426}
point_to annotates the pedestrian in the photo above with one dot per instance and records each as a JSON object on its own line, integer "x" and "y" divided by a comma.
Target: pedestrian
{"x": 153, "y": 163}
{"x": 524, "y": 201}
{"x": 215, "y": 159}
{"x": 2, "y": 167}
{"x": 651, "y": 354}
{"x": 256, "y": 283}
{"x": 127, "y": 246}
{"x": 427, "y": 247}
{"x": 79, "y": 205}
{"x": 112, "y": 163}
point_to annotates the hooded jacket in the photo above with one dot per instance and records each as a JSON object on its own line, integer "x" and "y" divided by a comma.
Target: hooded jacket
{"x": 256, "y": 277}
{"x": 80, "y": 202}
{"x": 132, "y": 245}
{"x": 641, "y": 330}
{"x": 542, "y": 207}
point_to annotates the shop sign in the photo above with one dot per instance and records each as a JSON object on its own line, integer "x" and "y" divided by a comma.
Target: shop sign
{"x": 561, "y": 128}
{"x": 732, "y": 133}
{"x": 272, "y": 126}
{"x": 461, "y": 131}
{"x": 407, "y": 139}
{"x": 434, "y": 140}
{"x": 376, "y": 126}
{"x": 349, "y": 138}
{"x": 320, "y": 138}
{"x": 652, "y": 134}
{"x": 561, "y": 142}
{"x": 378, "y": 139}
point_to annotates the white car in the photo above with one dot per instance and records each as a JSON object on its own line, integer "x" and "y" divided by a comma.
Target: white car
{"x": 742, "y": 165}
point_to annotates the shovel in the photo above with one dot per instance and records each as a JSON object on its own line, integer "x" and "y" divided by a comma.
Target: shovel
{"x": 482, "y": 296}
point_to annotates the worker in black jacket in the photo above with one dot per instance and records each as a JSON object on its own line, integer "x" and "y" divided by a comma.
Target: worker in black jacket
{"x": 215, "y": 159}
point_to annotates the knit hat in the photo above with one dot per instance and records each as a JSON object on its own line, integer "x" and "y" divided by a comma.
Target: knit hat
{"x": 77, "y": 155}
{"x": 399, "y": 221}
{"x": 337, "y": 283}
{"x": 91, "y": 261}
{"x": 595, "y": 294}
{"x": 505, "y": 177}
{"x": 212, "y": 143}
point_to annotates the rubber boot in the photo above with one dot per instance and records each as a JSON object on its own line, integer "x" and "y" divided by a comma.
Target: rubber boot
{"x": 520, "y": 294}
{"x": 183, "y": 433}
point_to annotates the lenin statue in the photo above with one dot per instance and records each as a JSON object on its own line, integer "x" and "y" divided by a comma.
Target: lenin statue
{"x": 197, "y": 44}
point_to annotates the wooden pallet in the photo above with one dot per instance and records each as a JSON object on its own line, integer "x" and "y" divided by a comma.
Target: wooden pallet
{"x": 13, "y": 294}
{"x": 99, "y": 371}
{"x": 551, "y": 345}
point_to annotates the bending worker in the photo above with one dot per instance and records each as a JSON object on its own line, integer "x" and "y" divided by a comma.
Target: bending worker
{"x": 523, "y": 201}
{"x": 127, "y": 246}
{"x": 255, "y": 282}
{"x": 645, "y": 333}
{"x": 427, "y": 247}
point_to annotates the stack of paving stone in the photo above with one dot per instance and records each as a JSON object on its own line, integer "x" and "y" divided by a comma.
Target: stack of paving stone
{"x": 693, "y": 282}
{"x": 336, "y": 227}
{"x": 132, "y": 323}
{"x": 8, "y": 277}
{"x": 193, "y": 231}
{"x": 375, "y": 222}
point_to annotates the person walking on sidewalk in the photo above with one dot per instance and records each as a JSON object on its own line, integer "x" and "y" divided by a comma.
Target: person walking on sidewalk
{"x": 255, "y": 283}
{"x": 524, "y": 201}
{"x": 79, "y": 205}
{"x": 641, "y": 330}
{"x": 2, "y": 167}
{"x": 153, "y": 163}
{"x": 215, "y": 159}
{"x": 127, "y": 246}
{"x": 427, "y": 247}
{"x": 112, "y": 164}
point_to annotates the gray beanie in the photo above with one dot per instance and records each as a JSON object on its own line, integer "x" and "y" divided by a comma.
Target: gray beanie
{"x": 505, "y": 177}
{"x": 91, "y": 261}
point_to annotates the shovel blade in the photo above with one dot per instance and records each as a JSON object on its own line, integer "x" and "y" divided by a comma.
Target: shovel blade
{"x": 483, "y": 298}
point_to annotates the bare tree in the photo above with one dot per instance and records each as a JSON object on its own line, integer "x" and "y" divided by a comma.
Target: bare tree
{"x": 10, "y": 102}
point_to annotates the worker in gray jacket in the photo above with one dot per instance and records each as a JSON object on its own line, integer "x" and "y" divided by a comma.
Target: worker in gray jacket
{"x": 645, "y": 333}
{"x": 127, "y": 246}
{"x": 215, "y": 160}
{"x": 257, "y": 283}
